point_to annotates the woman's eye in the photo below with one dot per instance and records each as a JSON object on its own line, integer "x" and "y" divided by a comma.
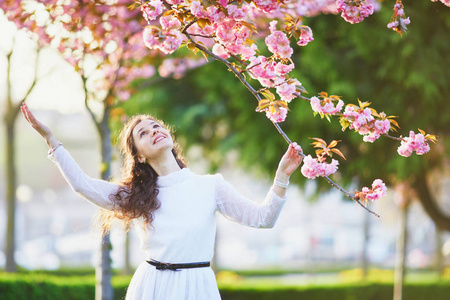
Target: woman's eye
{"x": 142, "y": 133}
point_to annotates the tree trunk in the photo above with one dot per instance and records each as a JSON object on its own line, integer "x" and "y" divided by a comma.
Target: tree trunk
{"x": 104, "y": 289}
{"x": 364, "y": 260}
{"x": 11, "y": 185}
{"x": 399, "y": 274}
{"x": 439, "y": 258}
{"x": 429, "y": 203}
{"x": 127, "y": 265}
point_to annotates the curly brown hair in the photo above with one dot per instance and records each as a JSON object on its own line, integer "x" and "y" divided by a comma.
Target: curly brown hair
{"x": 137, "y": 195}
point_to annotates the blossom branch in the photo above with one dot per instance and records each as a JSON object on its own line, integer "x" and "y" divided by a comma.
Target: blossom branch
{"x": 277, "y": 126}
{"x": 351, "y": 196}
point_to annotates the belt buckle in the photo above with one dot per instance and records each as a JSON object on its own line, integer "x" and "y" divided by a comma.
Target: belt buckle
{"x": 166, "y": 266}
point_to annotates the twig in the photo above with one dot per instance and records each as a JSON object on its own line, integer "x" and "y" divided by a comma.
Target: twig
{"x": 393, "y": 137}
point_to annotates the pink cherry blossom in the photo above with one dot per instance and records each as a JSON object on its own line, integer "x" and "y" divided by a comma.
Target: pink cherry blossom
{"x": 399, "y": 20}
{"x": 354, "y": 11}
{"x": 326, "y": 106}
{"x": 382, "y": 126}
{"x": 174, "y": 2}
{"x": 168, "y": 23}
{"x": 219, "y": 50}
{"x": 365, "y": 123}
{"x": 224, "y": 3}
{"x": 276, "y": 116}
{"x": 196, "y": 8}
{"x": 415, "y": 142}
{"x": 166, "y": 42}
{"x": 235, "y": 12}
{"x": 267, "y": 5}
{"x": 306, "y": 36}
{"x": 152, "y": 9}
{"x": 312, "y": 168}
{"x": 262, "y": 70}
{"x": 377, "y": 191}
{"x": 286, "y": 91}
{"x": 248, "y": 52}
{"x": 278, "y": 43}
{"x": 282, "y": 69}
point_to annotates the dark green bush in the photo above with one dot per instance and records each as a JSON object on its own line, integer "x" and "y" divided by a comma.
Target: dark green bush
{"x": 49, "y": 287}
{"x": 368, "y": 291}
{"x": 39, "y": 286}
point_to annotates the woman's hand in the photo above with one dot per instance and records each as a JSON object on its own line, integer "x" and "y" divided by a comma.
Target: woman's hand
{"x": 43, "y": 130}
{"x": 289, "y": 163}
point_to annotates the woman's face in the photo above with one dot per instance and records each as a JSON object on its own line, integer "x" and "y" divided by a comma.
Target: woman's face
{"x": 151, "y": 139}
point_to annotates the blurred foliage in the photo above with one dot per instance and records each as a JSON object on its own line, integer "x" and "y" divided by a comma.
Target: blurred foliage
{"x": 404, "y": 76}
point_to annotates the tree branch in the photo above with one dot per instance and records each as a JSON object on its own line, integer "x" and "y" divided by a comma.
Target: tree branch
{"x": 428, "y": 201}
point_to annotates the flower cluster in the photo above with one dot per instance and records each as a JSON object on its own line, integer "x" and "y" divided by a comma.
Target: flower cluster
{"x": 278, "y": 43}
{"x": 312, "y": 168}
{"x": 166, "y": 41}
{"x": 276, "y": 114}
{"x": 415, "y": 142}
{"x": 152, "y": 9}
{"x": 362, "y": 121}
{"x": 377, "y": 191}
{"x": 399, "y": 20}
{"x": 326, "y": 105}
{"x": 354, "y": 11}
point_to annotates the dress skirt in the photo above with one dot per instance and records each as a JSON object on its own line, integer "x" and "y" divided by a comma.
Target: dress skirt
{"x": 148, "y": 283}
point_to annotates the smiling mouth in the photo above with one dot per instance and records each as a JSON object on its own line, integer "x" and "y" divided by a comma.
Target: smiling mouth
{"x": 158, "y": 139}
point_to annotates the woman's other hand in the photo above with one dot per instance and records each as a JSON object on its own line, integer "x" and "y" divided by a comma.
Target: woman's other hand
{"x": 42, "y": 129}
{"x": 290, "y": 161}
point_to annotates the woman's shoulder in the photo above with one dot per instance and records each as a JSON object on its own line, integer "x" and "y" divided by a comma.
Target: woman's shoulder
{"x": 211, "y": 178}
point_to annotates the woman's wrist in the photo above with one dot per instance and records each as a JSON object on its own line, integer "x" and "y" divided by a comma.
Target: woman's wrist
{"x": 52, "y": 142}
{"x": 281, "y": 180}
{"x": 282, "y": 177}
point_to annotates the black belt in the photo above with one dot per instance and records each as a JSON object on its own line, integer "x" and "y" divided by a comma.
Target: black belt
{"x": 174, "y": 267}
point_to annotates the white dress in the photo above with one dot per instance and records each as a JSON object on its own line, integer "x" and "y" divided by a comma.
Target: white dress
{"x": 183, "y": 229}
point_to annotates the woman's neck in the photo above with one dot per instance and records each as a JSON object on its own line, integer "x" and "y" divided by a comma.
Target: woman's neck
{"x": 165, "y": 165}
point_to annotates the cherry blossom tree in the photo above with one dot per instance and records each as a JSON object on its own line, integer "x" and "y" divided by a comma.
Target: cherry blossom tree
{"x": 15, "y": 94}
{"x": 102, "y": 40}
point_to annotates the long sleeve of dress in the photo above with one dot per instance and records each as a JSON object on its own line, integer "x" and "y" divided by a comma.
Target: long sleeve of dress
{"x": 94, "y": 190}
{"x": 240, "y": 209}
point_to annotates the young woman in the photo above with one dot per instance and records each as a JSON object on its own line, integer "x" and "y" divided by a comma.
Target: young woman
{"x": 171, "y": 208}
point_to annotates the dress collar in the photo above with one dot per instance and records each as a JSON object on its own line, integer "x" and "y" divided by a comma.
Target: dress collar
{"x": 174, "y": 178}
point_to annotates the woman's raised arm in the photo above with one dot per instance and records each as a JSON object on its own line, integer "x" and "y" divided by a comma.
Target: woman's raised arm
{"x": 94, "y": 190}
{"x": 238, "y": 208}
